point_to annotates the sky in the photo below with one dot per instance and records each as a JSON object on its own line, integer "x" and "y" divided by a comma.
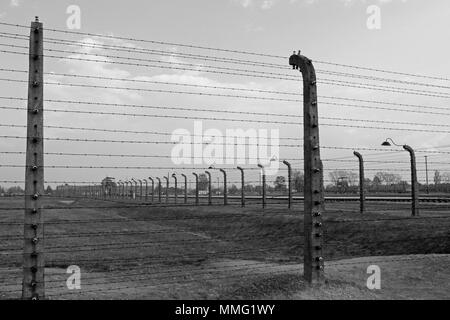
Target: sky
{"x": 411, "y": 39}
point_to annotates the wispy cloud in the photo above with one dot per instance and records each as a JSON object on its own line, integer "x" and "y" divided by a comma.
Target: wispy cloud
{"x": 351, "y": 2}
{"x": 261, "y": 4}
{"x": 14, "y": 3}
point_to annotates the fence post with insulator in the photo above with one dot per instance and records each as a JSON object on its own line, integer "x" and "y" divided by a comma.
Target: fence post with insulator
{"x": 362, "y": 196}
{"x": 313, "y": 193}
{"x": 33, "y": 286}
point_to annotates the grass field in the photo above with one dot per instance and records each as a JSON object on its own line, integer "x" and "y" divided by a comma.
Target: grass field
{"x": 229, "y": 252}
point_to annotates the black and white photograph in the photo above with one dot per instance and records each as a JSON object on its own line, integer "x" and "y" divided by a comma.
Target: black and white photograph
{"x": 225, "y": 156}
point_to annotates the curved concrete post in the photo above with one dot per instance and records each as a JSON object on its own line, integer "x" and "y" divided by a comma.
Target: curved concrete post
{"x": 140, "y": 191}
{"x": 196, "y": 188}
{"x": 242, "y": 187}
{"x": 313, "y": 261}
{"x": 146, "y": 189}
{"x": 174, "y": 176}
{"x": 225, "y": 188}
{"x": 414, "y": 185}
{"x": 159, "y": 189}
{"x": 362, "y": 196}
{"x": 263, "y": 185}
{"x": 209, "y": 187}
{"x": 167, "y": 188}
{"x": 153, "y": 187}
{"x": 289, "y": 183}
{"x": 185, "y": 187}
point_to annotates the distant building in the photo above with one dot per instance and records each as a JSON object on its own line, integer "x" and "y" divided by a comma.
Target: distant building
{"x": 108, "y": 184}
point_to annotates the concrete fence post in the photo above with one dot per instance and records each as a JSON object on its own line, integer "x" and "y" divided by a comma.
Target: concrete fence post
{"x": 313, "y": 194}
{"x": 362, "y": 195}
{"x": 242, "y": 186}
{"x": 196, "y": 188}
{"x": 225, "y": 188}
{"x": 414, "y": 185}
{"x": 174, "y": 176}
{"x": 146, "y": 189}
{"x": 153, "y": 188}
{"x": 209, "y": 188}
{"x": 33, "y": 285}
{"x": 289, "y": 183}
{"x": 159, "y": 189}
{"x": 185, "y": 187}
{"x": 140, "y": 189}
{"x": 167, "y": 189}
{"x": 263, "y": 185}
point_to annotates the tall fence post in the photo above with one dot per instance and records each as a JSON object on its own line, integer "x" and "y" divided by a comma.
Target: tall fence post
{"x": 426, "y": 174}
{"x": 209, "y": 187}
{"x": 196, "y": 188}
{"x": 159, "y": 189}
{"x": 313, "y": 193}
{"x": 185, "y": 187}
{"x": 225, "y": 191}
{"x": 33, "y": 285}
{"x": 289, "y": 183}
{"x": 263, "y": 185}
{"x": 242, "y": 187}
{"x": 414, "y": 185}
{"x": 167, "y": 189}
{"x": 153, "y": 188}
{"x": 362, "y": 195}
{"x": 176, "y": 186}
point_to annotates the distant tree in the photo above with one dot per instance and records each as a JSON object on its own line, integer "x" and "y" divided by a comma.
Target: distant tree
{"x": 437, "y": 177}
{"x": 445, "y": 177}
{"x": 280, "y": 183}
{"x": 388, "y": 178}
{"x": 350, "y": 177}
{"x": 376, "y": 181}
{"x": 298, "y": 180}
{"x": 49, "y": 190}
{"x": 233, "y": 189}
{"x": 15, "y": 190}
{"x": 202, "y": 181}
{"x": 249, "y": 188}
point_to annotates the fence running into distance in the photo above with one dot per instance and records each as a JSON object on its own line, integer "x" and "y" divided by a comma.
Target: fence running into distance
{"x": 114, "y": 203}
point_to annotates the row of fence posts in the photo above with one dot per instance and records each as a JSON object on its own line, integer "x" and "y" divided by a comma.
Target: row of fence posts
{"x": 133, "y": 188}
{"x": 414, "y": 183}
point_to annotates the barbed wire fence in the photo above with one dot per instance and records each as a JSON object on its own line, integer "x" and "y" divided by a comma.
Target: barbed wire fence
{"x": 156, "y": 228}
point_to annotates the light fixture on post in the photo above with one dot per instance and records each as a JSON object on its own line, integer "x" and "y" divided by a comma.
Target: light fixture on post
{"x": 414, "y": 185}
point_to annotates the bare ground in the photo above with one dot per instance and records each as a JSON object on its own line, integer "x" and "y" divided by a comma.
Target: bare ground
{"x": 217, "y": 252}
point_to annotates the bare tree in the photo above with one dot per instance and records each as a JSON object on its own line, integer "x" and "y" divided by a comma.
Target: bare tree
{"x": 437, "y": 177}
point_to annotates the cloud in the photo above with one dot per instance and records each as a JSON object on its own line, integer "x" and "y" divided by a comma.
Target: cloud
{"x": 14, "y": 3}
{"x": 351, "y": 2}
{"x": 262, "y": 4}
{"x": 267, "y": 4}
{"x": 244, "y": 3}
